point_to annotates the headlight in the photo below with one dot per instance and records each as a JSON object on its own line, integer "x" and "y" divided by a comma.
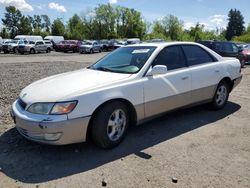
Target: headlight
{"x": 52, "y": 108}
{"x": 41, "y": 108}
{"x": 63, "y": 108}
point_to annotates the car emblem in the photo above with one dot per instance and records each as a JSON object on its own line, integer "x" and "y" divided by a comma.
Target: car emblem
{"x": 24, "y": 95}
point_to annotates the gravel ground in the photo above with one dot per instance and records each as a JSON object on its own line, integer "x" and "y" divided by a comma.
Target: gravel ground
{"x": 200, "y": 148}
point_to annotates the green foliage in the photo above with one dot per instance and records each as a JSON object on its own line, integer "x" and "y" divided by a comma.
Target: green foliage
{"x": 108, "y": 22}
{"x": 4, "y": 34}
{"x": 235, "y": 25}
{"x": 58, "y": 28}
{"x": 12, "y": 20}
{"x": 242, "y": 38}
{"x": 25, "y": 26}
{"x": 75, "y": 28}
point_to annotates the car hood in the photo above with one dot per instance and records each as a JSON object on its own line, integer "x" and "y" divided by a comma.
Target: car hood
{"x": 68, "y": 85}
{"x": 86, "y": 46}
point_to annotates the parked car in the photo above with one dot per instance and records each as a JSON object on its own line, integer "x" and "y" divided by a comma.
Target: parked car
{"x": 225, "y": 49}
{"x": 119, "y": 44}
{"x": 245, "y": 51}
{"x": 90, "y": 47}
{"x": 133, "y": 41}
{"x": 69, "y": 45}
{"x": 126, "y": 87}
{"x": 55, "y": 39}
{"x": 33, "y": 47}
{"x": 28, "y": 37}
{"x": 105, "y": 45}
{"x": 12, "y": 45}
{"x": 1, "y": 44}
{"x": 48, "y": 43}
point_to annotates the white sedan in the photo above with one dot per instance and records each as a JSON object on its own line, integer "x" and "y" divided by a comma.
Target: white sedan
{"x": 124, "y": 88}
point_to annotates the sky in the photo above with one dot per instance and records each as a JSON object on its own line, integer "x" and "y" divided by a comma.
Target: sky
{"x": 211, "y": 13}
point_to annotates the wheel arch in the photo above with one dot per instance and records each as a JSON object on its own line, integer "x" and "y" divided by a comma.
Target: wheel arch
{"x": 129, "y": 105}
{"x": 229, "y": 81}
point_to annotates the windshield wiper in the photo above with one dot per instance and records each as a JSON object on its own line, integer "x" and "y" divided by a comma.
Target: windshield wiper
{"x": 104, "y": 69}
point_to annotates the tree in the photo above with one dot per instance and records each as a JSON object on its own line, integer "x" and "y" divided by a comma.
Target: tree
{"x": 235, "y": 25}
{"x": 105, "y": 19}
{"x": 12, "y": 20}
{"x": 248, "y": 29}
{"x": 46, "y": 24}
{"x": 25, "y": 27}
{"x": 58, "y": 28}
{"x": 173, "y": 27}
{"x": 4, "y": 34}
{"x": 75, "y": 28}
{"x": 129, "y": 23}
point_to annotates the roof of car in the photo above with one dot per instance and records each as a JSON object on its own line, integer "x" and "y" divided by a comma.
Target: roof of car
{"x": 162, "y": 44}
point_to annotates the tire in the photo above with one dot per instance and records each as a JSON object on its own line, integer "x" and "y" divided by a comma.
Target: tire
{"x": 32, "y": 51}
{"x": 91, "y": 51}
{"x": 106, "y": 130}
{"x": 242, "y": 63}
{"x": 15, "y": 50}
{"x": 48, "y": 50}
{"x": 6, "y": 52}
{"x": 221, "y": 96}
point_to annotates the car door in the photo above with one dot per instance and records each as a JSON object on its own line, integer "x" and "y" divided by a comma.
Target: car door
{"x": 171, "y": 90}
{"x": 38, "y": 46}
{"x": 205, "y": 72}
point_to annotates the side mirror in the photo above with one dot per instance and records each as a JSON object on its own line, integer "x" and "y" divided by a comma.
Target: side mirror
{"x": 157, "y": 69}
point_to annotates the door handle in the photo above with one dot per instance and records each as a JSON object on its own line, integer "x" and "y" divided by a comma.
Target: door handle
{"x": 185, "y": 78}
{"x": 217, "y": 71}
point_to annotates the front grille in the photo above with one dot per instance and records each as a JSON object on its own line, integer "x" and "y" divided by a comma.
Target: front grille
{"x": 21, "y": 103}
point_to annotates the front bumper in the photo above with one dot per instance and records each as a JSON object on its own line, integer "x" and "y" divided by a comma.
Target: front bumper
{"x": 50, "y": 131}
{"x": 84, "y": 50}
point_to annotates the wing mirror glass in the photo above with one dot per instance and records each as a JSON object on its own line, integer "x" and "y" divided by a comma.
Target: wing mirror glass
{"x": 157, "y": 69}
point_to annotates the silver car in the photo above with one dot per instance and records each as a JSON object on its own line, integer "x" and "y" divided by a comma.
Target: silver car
{"x": 34, "y": 47}
{"x": 90, "y": 47}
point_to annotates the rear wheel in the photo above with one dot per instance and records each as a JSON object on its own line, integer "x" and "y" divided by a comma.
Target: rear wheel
{"x": 221, "y": 95}
{"x": 15, "y": 50}
{"x": 32, "y": 51}
{"x": 48, "y": 50}
{"x": 242, "y": 62}
{"x": 110, "y": 125}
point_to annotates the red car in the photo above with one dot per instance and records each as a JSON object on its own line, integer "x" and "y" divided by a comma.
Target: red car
{"x": 246, "y": 53}
{"x": 69, "y": 45}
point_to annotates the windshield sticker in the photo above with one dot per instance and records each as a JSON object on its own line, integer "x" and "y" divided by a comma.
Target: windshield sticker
{"x": 140, "y": 51}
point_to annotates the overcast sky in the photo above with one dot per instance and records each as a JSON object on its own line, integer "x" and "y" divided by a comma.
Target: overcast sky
{"x": 211, "y": 13}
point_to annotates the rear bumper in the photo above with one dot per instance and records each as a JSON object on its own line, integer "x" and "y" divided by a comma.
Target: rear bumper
{"x": 51, "y": 132}
{"x": 237, "y": 81}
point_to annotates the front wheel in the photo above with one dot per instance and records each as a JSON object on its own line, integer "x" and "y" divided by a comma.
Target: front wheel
{"x": 110, "y": 125}
{"x": 221, "y": 96}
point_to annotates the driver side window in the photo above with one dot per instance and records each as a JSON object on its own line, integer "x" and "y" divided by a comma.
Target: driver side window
{"x": 172, "y": 57}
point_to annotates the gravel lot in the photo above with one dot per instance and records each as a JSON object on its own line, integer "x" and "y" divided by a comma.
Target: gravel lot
{"x": 197, "y": 146}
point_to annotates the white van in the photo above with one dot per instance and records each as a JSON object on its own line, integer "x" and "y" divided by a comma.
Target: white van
{"x": 133, "y": 41}
{"x": 28, "y": 37}
{"x": 55, "y": 39}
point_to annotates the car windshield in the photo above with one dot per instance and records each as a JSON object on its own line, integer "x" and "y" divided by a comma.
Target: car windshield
{"x": 14, "y": 41}
{"x": 246, "y": 47}
{"x": 88, "y": 43}
{"x": 127, "y": 60}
